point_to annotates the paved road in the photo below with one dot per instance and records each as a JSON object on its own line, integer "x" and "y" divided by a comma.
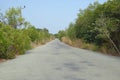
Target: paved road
{"x": 57, "y": 61}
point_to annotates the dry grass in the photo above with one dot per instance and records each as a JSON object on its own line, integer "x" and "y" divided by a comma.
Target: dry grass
{"x": 67, "y": 41}
{"x": 36, "y": 44}
{"x": 81, "y": 44}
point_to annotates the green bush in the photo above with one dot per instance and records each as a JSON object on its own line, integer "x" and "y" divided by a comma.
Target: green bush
{"x": 16, "y": 34}
{"x": 60, "y": 34}
{"x": 32, "y": 33}
{"x": 12, "y": 42}
{"x": 21, "y": 42}
{"x": 5, "y": 41}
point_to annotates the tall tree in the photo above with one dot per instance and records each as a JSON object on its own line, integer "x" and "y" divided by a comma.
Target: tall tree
{"x": 14, "y": 17}
{"x": 106, "y": 26}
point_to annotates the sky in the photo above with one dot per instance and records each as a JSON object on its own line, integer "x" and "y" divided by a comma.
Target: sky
{"x": 54, "y": 15}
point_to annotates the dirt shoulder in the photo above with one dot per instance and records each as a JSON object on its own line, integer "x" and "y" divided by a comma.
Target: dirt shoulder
{"x": 2, "y": 60}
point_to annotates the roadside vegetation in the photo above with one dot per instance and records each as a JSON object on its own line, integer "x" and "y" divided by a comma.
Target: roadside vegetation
{"x": 17, "y": 35}
{"x": 96, "y": 28}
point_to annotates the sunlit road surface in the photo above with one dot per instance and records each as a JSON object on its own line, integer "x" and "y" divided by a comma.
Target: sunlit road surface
{"x": 58, "y": 61}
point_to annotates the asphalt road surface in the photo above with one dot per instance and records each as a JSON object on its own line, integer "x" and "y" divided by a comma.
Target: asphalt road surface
{"x": 58, "y": 61}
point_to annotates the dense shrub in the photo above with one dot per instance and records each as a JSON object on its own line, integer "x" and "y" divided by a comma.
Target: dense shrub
{"x": 16, "y": 34}
{"x": 32, "y": 33}
{"x": 99, "y": 25}
{"x": 60, "y": 34}
{"x": 12, "y": 42}
{"x": 16, "y": 41}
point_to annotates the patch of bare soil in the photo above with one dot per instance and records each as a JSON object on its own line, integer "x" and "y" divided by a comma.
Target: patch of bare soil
{"x": 2, "y": 60}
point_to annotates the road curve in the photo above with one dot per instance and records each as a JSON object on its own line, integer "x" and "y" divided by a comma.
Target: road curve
{"x": 58, "y": 61}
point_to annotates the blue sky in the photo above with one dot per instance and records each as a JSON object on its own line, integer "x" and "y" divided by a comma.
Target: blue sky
{"x": 54, "y": 15}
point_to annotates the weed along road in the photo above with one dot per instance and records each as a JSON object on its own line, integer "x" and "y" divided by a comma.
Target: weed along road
{"x": 58, "y": 61}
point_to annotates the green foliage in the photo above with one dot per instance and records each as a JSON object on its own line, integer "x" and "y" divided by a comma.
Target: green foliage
{"x": 37, "y": 35}
{"x": 70, "y": 32}
{"x": 14, "y": 17}
{"x": 32, "y": 33}
{"x": 84, "y": 26}
{"x": 15, "y": 41}
{"x": 60, "y": 34}
{"x": 12, "y": 42}
{"x": 98, "y": 24}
